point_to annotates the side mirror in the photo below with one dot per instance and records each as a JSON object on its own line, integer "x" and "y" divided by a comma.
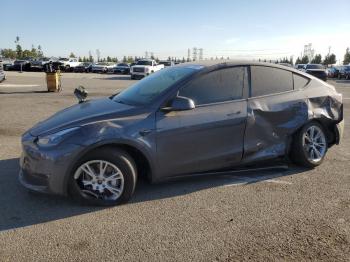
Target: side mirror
{"x": 81, "y": 94}
{"x": 180, "y": 103}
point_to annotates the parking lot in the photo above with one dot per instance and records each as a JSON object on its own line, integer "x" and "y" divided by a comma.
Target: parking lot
{"x": 282, "y": 214}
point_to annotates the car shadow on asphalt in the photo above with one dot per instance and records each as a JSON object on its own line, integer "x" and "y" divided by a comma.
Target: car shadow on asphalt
{"x": 24, "y": 92}
{"x": 342, "y": 81}
{"x": 20, "y": 208}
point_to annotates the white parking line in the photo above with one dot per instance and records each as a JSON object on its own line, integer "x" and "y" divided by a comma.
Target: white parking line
{"x": 17, "y": 85}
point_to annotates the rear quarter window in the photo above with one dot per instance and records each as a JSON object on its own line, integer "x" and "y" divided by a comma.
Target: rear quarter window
{"x": 300, "y": 81}
{"x": 268, "y": 80}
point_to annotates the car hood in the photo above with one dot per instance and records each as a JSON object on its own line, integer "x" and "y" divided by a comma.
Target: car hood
{"x": 81, "y": 114}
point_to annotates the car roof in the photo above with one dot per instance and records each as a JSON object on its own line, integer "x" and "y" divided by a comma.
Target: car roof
{"x": 225, "y": 63}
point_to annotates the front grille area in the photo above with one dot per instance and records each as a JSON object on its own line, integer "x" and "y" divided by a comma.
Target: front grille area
{"x": 139, "y": 69}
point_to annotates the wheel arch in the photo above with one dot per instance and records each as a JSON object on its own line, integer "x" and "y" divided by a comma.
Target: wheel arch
{"x": 141, "y": 158}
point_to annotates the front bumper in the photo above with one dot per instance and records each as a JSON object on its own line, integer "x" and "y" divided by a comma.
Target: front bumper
{"x": 339, "y": 130}
{"x": 46, "y": 170}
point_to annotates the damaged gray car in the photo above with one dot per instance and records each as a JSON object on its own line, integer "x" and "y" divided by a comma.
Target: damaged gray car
{"x": 194, "y": 118}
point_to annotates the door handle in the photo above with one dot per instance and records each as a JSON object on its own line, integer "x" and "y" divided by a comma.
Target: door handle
{"x": 235, "y": 113}
{"x": 145, "y": 132}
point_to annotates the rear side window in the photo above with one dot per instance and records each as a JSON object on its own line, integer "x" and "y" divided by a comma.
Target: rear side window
{"x": 299, "y": 81}
{"x": 269, "y": 80}
{"x": 217, "y": 86}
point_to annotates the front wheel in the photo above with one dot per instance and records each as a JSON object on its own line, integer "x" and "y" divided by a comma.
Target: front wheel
{"x": 105, "y": 177}
{"x": 309, "y": 145}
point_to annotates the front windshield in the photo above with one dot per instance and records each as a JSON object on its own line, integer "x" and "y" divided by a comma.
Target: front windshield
{"x": 146, "y": 90}
{"x": 144, "y": 62}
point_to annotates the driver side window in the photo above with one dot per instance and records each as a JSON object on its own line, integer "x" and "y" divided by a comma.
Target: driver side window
{"x": 218, "y": 86}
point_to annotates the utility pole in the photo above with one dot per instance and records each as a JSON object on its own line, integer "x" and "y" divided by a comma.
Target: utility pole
{"x": 194, "y": 53}
{"x": 98, "y": 54}
{"x": 200, "y": 53}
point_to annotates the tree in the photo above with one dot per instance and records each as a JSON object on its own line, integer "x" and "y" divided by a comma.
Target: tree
{"x": 19, "y": 50}
{"x": 317, "y": 59}
{"x": 72, "y": 55}
{"x": 347, "y": 57}
{"x": 330, "y": 59}
{"x": 291, "y": 60}
{"x": 8, "y": 53}
{"x": 125, "y": 59}
{"x": 304, "y": 60}
{"x": 109, "y": 59}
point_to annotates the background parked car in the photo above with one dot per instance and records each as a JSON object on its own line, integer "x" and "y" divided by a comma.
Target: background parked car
{"x": 7, "y": 64}
{"x": 344, "y": 72}
{"x": 316, "y": 70}
{"x": 333, "y": 71}
{"x": 286, "y": 64}
{"x": 85, "y": 67}
{"x": 102, "y": 67}
{"x": 122, "y": 68}
{"x": 166, "y": 63}
{"x": 2, "y": 73}
{"x": 22, "y": 64}
{"x": 299, "y": 66}
{"x": 144, "y": 68}
{"x": 68, "y": 64}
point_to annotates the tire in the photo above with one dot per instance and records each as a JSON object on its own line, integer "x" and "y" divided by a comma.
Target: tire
{"x": 301, "y": 150}
{"x": 126, "y": 182}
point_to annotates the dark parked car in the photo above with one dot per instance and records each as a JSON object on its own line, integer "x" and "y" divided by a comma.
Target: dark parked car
{"x": 121, "y": 69}
{"x": 22, "y": 64}
{"x": 83, "y": 68}
{"x": 316, "y": 70}
{"x": 344, "y": 72}
{"x": 2, "y": 73}
{"x": 333, "y": 72}
{"x": 166, "y": 63}
{"x": 7, "y": 64}
{"x": 299, "y": 66}
{"x": 189, "y": 119}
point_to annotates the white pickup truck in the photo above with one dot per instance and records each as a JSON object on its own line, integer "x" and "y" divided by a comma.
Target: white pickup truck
{"x": 68, "y": 64}
{"x": 144, "y": 67}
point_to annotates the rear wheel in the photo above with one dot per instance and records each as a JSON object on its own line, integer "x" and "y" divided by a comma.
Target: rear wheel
{"x": 309, "y": 145}
{"x": 105, "y": 177}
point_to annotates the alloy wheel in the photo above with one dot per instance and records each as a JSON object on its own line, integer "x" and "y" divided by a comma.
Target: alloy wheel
{"x": 100, "y": 179}
{"x": 314, "y": 143}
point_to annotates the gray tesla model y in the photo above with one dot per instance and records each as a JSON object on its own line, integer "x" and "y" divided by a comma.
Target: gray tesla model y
{"x": 193, "y": 118}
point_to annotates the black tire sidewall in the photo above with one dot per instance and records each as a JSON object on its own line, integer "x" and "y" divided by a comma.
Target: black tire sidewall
{"x": 117, "y": 157}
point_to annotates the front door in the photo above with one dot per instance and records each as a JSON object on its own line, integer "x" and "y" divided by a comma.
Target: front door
{"x": 210, "y": 136}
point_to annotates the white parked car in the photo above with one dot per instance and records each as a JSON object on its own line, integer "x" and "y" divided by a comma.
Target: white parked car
{"x": 102, "y": 67}
{"x": 144, "y": 67}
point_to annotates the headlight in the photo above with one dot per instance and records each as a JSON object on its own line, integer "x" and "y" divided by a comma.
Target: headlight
{"x": 56, "y": 138}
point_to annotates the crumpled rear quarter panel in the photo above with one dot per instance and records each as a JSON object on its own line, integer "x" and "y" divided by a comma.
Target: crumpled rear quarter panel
{"x": 272, "y": 120}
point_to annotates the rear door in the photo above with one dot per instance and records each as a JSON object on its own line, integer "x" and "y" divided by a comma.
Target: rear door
{"x": 276, "y": 108}
{"x": 211, "y": 135}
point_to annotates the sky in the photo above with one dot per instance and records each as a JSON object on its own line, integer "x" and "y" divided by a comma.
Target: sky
{"x": 237, "y": 29}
